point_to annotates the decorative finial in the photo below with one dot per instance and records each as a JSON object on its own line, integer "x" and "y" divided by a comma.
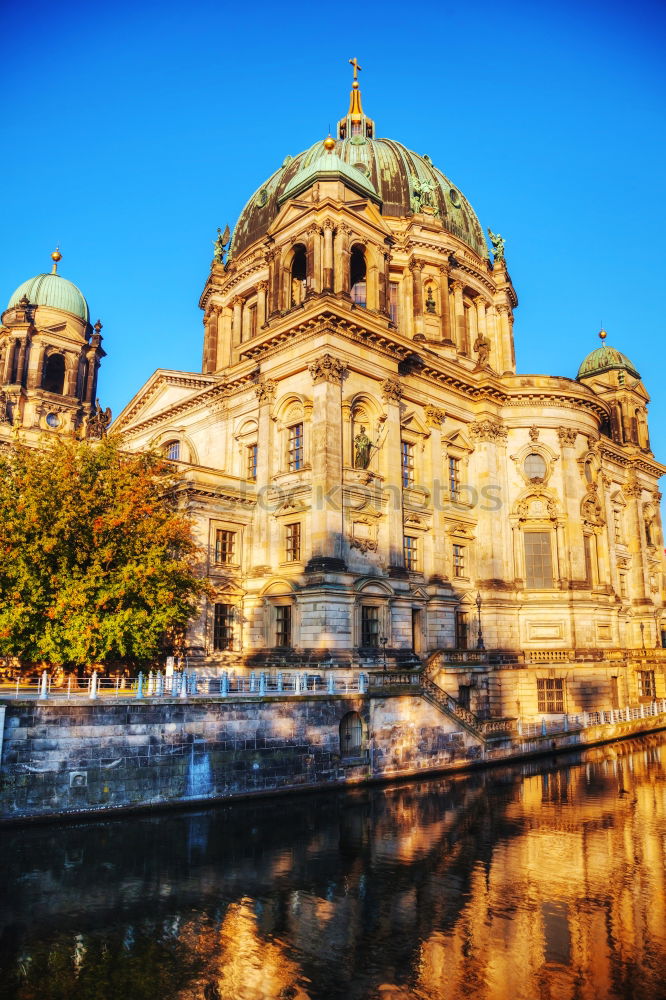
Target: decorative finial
{"x": 329, "y": 144}
{"x": 602, "y": 335}
{"x": 55, "y": 257}
{"x": 98, "y": 326}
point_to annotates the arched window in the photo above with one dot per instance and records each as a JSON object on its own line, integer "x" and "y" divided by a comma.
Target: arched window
{"x": 351, "y": 735}
{"x": 357, "y": 276}
{"x": 54, "y": 374}
{"x": 299, "y": 270}
{"x": 172, "y": 451}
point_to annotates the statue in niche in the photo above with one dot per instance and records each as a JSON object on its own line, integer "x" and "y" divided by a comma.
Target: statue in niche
{"x": 297, "y": 291}
{"x": 498, "y": 245}
{"x": 362, "y": 448}
{"x": 482, "y": 348}
{"x": 430, "y": 304}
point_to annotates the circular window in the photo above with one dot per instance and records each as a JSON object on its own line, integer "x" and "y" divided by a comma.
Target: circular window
{"x": 262, "y": 198}
{"x": 52, "y": 419}
{"x": 535, "y": 466}
{"x": 454, "y": 197}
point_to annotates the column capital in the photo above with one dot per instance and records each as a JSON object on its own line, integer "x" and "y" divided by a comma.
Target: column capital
{"x": 434, "y": 416}
{"x": 328, "y": 224}
{"x": 488, "y": 430}
{"x": 237, "y": 300}
{"x": 262, "y": 286}
{"x": 567, "y": 436}
{"x": 391, "y": 390}
{"x": 327, "y": 369}
{"x": 416, "y": 264}
{"x": 457, "y": 286}
{"x": 265, "y": 391}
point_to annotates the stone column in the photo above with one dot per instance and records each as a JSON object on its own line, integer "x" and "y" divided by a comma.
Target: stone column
{"x": 347, "y": 447}
{"x": 392, "y": 472}
{"x": 406, "y": 314}
{"x": 266, "y": 466}
{"x": 416, "y": 267}
{"x": 435, "y": 479}
{"x": 329, "y": 225}
{"x": 573, "y": 567}
{"x": 262, "y": 288}
{"x": 312, "y": 261}
{"x": 459, "y": 312}
{"x": 35, "y": 367}
{"x": 326, "y": 520}
{"x": 445, "y": 306}
{"x": 492, "y": 541}
{"x": 237, "y": 303}
{"x": 91, "y": 382}
{"x": 636, "y": 538}
{"x": 225, "y": 335}
{"x": 20, "y": 366}
{"x": 341, "y": 260}
{"x": 506, "y": 334}
{"x": 384, "y": 279}
{"x": 498, "y": 361}
{"x": 372, "y": 278}
{"x": 272, "y": 259}
{"x": 480, "y": 307}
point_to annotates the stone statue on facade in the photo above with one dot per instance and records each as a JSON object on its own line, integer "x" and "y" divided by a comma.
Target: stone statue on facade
{"x": 423, "y": 196}
{"x": 5, "y": 415}
{"x": 482, "y": 349}
{"x": 498, "y": 245}
{"x": 362, "y": 448}
{"x": 99, "y": 421}
{"x": 430, "y": 304}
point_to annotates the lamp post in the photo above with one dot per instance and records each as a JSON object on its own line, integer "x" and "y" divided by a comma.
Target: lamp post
{"x": 642, "y": 628}
{"x": 657, "y": 630}
{"x": 479, "y": 641}
{"x": 384, "y": 639}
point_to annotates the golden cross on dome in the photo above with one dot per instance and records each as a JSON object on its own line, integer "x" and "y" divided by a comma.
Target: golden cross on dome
{"x": 354, "y": 62}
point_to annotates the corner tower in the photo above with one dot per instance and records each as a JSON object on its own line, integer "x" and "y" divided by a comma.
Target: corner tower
{"x": 49, "y": 358}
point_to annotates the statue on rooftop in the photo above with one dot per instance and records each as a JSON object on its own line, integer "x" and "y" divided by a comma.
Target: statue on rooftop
{"x": 498, "y": 245}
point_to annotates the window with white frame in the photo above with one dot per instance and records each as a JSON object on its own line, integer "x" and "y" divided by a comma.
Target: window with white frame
{"x": 172, "y": 451}
{"x": 225, "y": 546}
{"x": 407, "y": 458}
{"x": 293, "y": 541}
{"x": 454, "y": 477}
{"x": 459, "y": 559}
{"x": 411, "y": 552}
{"x": 251, "y": 455}
{"x": 295, "y": 447}
{"x": 538, "y": 560}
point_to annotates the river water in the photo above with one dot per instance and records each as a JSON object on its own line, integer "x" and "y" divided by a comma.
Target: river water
{"x": 543, "y": 881}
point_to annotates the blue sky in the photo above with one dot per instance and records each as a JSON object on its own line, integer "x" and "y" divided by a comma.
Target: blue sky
{"x": 132, "y": 131}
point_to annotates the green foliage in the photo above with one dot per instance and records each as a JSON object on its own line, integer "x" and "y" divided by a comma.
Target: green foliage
{"x": 97, "y": 563}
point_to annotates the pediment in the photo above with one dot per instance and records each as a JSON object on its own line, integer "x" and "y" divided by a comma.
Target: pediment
{"x": 457, "y": 439}
{"x": 161, "y": 395}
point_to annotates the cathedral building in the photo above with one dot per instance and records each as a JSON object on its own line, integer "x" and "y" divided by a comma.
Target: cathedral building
{"x": 372, "y": 481}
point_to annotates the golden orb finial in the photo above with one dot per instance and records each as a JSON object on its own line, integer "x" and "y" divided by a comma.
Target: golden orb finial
{"x": 602, "y": 335}
{"x": 55, "y": 257}
{"x": 329, "y": 144}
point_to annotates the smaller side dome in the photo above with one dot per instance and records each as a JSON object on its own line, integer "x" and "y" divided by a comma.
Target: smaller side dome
{"x": 53, "y": 291}
{"x": 606, "y": 359}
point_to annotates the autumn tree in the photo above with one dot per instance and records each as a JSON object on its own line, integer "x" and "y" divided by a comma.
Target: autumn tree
{"x": 97, "y": 561}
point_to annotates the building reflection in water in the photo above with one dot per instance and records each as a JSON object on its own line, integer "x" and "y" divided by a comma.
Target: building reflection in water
{"x": 545, "y": 880}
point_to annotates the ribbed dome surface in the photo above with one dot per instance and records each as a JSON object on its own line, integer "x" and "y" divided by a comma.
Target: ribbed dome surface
{"x": 404, "y": 183}
{"x": 53, "y": 291}
{"x": 606, "y": 359}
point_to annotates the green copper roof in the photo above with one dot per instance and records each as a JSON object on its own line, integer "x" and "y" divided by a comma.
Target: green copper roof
{"x": 328, "y": 166}
{"x": 606, "y": 359}
{"x": 53, "y": 291}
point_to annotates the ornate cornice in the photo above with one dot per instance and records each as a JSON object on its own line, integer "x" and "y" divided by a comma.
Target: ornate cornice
{"x": 327, "y": 369}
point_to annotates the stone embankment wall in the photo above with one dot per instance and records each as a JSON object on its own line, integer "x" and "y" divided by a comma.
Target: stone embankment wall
{"x": 68, "y": 757}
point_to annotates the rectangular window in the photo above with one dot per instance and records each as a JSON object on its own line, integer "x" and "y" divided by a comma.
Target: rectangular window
{"x": 283, "y": 625}
{"x": 223, "y": 627}
{"x": 369, "y": 625}
{"x": 394, "y": 291}
{"x": 587, "y": 549}
{"x": 407, "y": 463}
{"x": 646, "y": 688}
{"x": 252, "y": 453}
{"x": 550, "y": 695}
{"x": 454, "y": 478}
{"x": 252, "y": 321}
{"x": 538, "y": 560}
{"x": 172, "y": 451}
{"x": 293, "y": 542}
{"x": 295, "y": 448}
{"x": 617, "y": 525}
{"x": 458, "y": 560}
{"x": 461, "y": 630}
{"x": 411, "y": 552}
{"x": 225, "y": 546}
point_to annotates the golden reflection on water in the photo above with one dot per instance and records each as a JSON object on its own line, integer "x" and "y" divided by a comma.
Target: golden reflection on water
{"x": 512, "y": 884}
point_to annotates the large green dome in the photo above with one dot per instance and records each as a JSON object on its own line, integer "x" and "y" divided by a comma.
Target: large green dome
{"x": 400, "y": 181}
{"x": 606, "y": 359}
{"x": 53, "y": 291}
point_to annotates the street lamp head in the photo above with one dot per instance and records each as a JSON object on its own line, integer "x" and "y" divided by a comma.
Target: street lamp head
{"x": 478, "y": 599}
